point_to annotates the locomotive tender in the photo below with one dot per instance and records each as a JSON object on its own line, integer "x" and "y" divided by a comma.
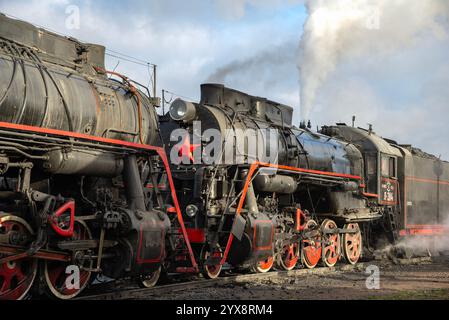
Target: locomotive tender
{"x": 92, "y": 181}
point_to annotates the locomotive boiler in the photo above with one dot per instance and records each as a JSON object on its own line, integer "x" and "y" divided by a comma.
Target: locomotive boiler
{"x": 58, "y": 83}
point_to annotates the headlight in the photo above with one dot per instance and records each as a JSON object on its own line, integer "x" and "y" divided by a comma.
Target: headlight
{"x": 181, "y": 110}
{"x": 191, "y": 210}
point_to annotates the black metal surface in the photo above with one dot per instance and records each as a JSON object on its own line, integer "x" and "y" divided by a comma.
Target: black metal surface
{"x": 323, "y": 153}
{"x": 38, "y": 89}
{"x": 133, "y": 184}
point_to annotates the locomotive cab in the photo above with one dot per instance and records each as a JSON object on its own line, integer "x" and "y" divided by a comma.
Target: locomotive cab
{"x": 380, "y": 159}
{"x": 383, "y": 163}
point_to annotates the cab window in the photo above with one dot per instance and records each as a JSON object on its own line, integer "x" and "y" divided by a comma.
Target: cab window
{"x": 388, "y": 166}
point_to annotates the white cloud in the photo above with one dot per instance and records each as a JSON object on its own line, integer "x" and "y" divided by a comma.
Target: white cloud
{"x": 236, "y": 9}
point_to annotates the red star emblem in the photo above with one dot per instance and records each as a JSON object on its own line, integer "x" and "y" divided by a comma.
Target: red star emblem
{"x": 186, "y": 149}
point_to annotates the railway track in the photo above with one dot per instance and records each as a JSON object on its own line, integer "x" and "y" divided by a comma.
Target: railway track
{"x": 137, "y": 294}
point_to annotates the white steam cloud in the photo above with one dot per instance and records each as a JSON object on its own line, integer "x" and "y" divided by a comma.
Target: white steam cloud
{"x": 336, "y": 31}
{"x": 420, "y": 245}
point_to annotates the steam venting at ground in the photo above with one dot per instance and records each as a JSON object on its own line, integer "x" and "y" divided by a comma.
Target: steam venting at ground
{"x": 422, "y": 245}
{"x": 337, "y": 31}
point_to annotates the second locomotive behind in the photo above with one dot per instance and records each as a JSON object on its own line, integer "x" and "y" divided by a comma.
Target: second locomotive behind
{"x": 338, "y": 193}
{"x": 303, "y": 200}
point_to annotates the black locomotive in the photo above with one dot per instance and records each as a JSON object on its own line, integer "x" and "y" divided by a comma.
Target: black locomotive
{"x": 76, "y": 152}
{"x": 327, "y": 195}
{"x": 93, "y": 182}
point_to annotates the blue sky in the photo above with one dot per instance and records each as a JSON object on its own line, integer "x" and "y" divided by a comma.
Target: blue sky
{"x": 188, "y": 40}
{"x": 252, "y": 45}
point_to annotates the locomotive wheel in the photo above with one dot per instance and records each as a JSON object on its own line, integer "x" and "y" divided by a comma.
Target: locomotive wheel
{"x": 288, "y": 257}
{"x": 263, "y": 266}
{"x": 16, "y": 277}
{"x": 55, "y": 271}
{"x": 211, "y": 271}
{"x": 311, "y": 248}
{"x": 352, "y": 244}
{"x": 149, "y": 281}
{"x": 331, "y": 251}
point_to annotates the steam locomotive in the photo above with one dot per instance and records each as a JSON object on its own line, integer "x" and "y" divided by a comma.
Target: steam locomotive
{"x": 93, "y": 181}
{"x": 76, "y": 152}
{"x": 337, "y": 193}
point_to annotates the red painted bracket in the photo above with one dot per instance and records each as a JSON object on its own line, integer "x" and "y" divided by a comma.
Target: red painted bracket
{"x": 300, "y": 218}
{"x": 67, "y": 233}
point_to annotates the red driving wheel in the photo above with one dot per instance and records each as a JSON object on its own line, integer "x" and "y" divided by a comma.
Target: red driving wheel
{"x": 289, "y": 256}
{"x": 311, "y": 247}
{"x": 57, "y": 273}
{"x": 331, "y": 250}
{"x": 211, "y": 271}
{"x": 264, "y": 265}
{"x": 16, "y": 277}
{"x": 352, "y": 243}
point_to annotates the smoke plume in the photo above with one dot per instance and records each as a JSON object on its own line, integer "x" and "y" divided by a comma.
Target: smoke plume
{"x": 337, "y": 31}
{"x": 254, "y": 65}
